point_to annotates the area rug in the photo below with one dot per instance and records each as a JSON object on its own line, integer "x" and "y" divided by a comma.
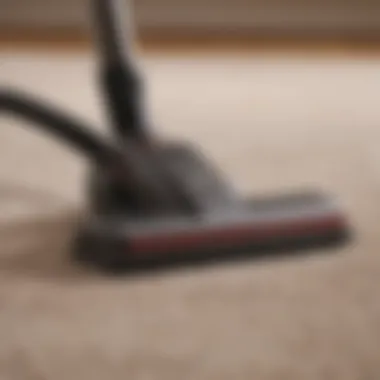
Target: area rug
{"x": 271, "y": 123}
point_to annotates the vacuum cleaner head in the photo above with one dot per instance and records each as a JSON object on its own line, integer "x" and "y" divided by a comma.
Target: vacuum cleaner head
{"x": 154, "y": 205}
{"x": 253, "y": 229}
{"x": 223, "y": 229}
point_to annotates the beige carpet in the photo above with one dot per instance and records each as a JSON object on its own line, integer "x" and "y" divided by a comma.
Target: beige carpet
{"x": 272, "y": 122}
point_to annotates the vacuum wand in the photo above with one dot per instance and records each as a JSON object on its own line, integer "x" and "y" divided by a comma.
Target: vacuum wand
{"x": 119, "y": 78}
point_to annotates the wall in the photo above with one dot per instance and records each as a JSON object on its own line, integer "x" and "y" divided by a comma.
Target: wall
{"x": 211, "y": 15}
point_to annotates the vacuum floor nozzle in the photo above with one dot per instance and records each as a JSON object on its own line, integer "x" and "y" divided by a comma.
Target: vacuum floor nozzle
{"x": 224, "y": 229}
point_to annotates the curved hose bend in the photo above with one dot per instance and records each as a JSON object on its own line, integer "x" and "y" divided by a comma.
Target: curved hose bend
{"x": 48, "y": 119}
{"x": 129, "y": 167}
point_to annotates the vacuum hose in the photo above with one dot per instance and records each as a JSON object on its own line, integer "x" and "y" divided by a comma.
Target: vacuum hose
{"x": 128, "y": 167}
{"x": 54, "y": 122}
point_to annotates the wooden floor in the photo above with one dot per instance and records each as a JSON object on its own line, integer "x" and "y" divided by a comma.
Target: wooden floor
{"x": 70, "y": 40}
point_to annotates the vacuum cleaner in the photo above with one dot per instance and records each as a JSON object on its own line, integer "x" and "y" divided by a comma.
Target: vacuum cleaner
{"x": 156, "y": 204}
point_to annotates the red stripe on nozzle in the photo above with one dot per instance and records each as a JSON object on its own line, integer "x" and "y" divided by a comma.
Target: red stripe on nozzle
{"x": 241, "y": 234}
